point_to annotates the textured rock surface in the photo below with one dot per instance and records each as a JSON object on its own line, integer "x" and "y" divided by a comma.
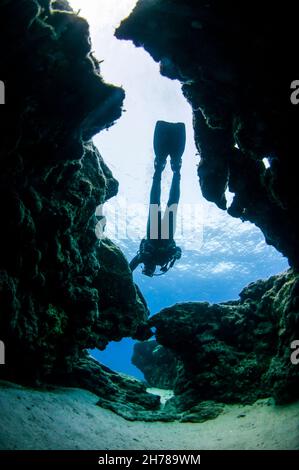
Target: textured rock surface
{"x": 157, "y": 363}
{"x": 235, "y": 351}
{"x": 61, "y": 291}
{"x": 236, "y": 70}
{"x": 120, "y": 393}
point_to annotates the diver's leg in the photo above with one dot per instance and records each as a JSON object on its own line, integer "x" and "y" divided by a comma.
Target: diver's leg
{"x": 175, "y": 189}
{"x": 155, "y": 194}
{"x": 170, "y": 216}
{"x": 153, "y": 231}
{"x": 154, "y": 222}
{"x": 160, "y": 145}
{"x": 178, "y": 146}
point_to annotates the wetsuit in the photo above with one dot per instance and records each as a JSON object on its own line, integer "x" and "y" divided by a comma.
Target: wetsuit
{"x": 159, "y": 247}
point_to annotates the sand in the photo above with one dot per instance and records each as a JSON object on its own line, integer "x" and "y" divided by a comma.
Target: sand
{"x": 69, "y": 419}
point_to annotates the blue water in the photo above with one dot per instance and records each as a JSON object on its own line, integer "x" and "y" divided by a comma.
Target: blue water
{"x": 213, "y": 277}
{"x": 232, "y": 254}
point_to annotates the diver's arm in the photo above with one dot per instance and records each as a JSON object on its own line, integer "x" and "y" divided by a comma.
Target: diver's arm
{"x": 177, "y": 255}
{"x": 135, "y": 262}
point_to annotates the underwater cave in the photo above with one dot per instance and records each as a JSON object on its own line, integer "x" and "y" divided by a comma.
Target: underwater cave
{"x": 215, "y": 333}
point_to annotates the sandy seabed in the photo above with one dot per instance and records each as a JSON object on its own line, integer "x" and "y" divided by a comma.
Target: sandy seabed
{"x": 69, "y": 419}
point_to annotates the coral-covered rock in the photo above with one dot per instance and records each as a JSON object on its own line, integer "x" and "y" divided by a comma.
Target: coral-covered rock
{"x": 157, "y": 363}
{"x": 118, "y": 392}
{"x": 62, "y": 290}
{"x": 236, "y": 72}
{"x": 234, "y": 352}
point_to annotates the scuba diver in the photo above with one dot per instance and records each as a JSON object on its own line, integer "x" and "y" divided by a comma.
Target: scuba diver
{"x": 159, "y": 247}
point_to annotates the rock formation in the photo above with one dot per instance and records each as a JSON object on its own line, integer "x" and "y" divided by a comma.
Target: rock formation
{"x": 233, "y": 352}
{"x": 236, "y": 70}
{"x": 157, "y": 363}
{"x": 236, "y": 73}
{"x": 61, "y": 290}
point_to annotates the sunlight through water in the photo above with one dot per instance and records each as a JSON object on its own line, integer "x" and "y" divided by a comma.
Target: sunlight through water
{"x": 220, "y": 254}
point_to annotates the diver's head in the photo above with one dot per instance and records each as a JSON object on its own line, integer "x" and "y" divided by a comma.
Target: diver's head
{"x": 178, "y": 253}
{"x": 149, "y": 270}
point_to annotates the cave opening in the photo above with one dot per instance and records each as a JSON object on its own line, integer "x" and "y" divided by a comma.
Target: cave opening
{"x": 217, "y": 337}
{"x": 220, "y": 254}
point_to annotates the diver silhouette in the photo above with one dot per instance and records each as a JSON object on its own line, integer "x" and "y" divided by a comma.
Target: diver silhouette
{"x": 159, "y": 247}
